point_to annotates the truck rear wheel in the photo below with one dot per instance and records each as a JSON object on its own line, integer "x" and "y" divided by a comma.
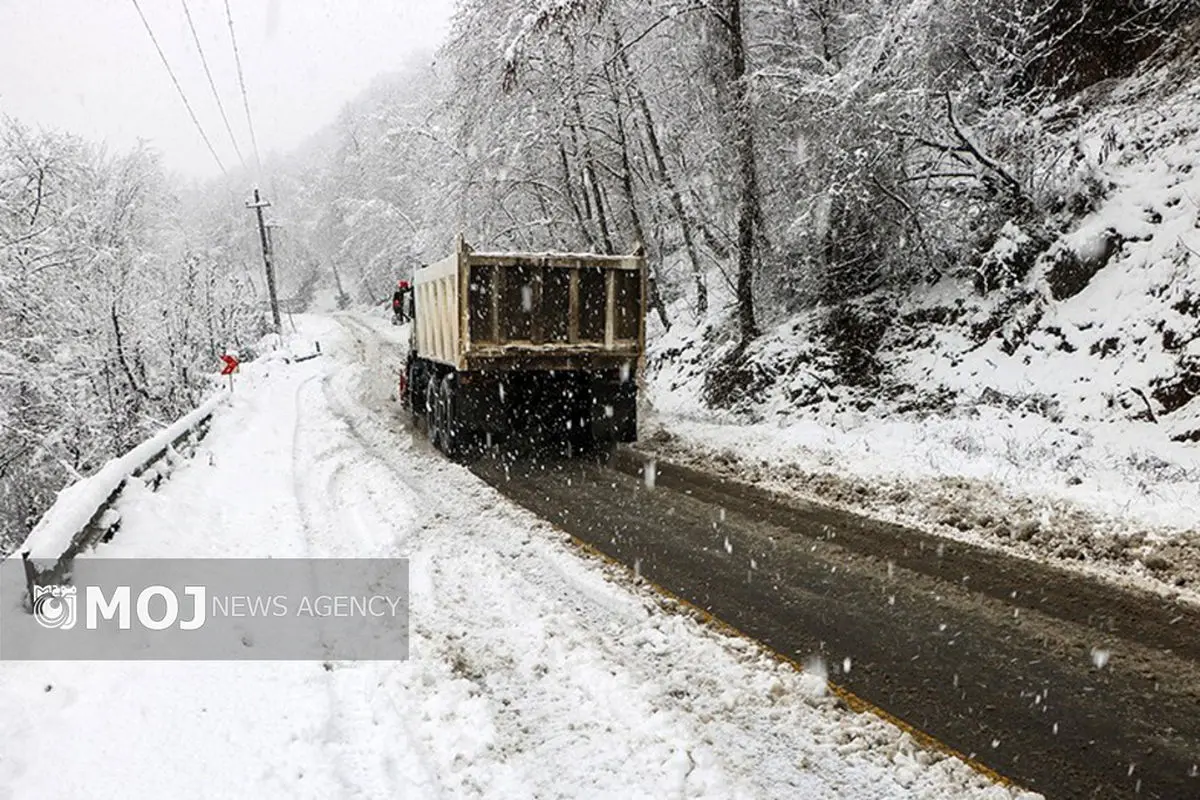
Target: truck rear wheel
{"x": 449, "y": 435}
{"x": 432, "y": 415}
{"x": 444, "y": 431}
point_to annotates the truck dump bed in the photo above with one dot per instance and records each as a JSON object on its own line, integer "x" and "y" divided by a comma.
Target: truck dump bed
{"x": 546, "y": 311}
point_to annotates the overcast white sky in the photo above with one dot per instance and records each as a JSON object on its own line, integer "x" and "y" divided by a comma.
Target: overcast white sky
{"x": 88, "y": 66}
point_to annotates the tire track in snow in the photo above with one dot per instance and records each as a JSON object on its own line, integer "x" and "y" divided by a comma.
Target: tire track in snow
{"x": 437, "y": 660}
{"x": 319, "y": 466}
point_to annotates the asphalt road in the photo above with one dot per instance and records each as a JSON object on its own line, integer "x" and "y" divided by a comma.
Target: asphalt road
{"x": 1070, "y": 687}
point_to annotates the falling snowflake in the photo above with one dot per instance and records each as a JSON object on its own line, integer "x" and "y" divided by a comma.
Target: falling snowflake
{"x": 815, "y": 665}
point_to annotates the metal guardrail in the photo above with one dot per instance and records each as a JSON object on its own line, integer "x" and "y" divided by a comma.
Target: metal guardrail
{"x": 83, "y": 515}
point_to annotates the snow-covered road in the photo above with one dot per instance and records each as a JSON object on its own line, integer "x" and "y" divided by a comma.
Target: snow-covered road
{"x": 535, "y": 671}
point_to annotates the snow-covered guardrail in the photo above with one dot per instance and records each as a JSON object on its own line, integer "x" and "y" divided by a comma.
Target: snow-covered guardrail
{"x": 82, "y": 515}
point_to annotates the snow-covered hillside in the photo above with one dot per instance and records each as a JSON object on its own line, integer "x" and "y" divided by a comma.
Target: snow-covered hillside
{"x": 1058, "y": 418}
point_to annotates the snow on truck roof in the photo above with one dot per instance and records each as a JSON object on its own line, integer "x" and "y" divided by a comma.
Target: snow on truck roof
{"x": 550, "y": 254}
{"x": 541, "y": 256}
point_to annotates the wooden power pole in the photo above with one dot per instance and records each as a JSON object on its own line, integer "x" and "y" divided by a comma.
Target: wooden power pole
{"x": 258, "y": 205}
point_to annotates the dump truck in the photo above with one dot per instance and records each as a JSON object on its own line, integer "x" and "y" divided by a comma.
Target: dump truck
{"x": 539, "y": 344}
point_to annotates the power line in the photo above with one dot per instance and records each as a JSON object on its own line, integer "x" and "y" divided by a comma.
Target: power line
{"x": 242, "y": 82}
{"x": 212, "y": 85}
{"x": 179, "y": 89}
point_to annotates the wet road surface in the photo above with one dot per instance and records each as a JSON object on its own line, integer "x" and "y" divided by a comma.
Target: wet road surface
{"x": 1068, "y": 686}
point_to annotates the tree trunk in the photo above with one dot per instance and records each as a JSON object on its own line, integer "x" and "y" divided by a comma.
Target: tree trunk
{"x": 627, "y": 187}
{"x": 585, "y": 232}
{"x": 665, "y": 178}
{"x": 343, "y": 298}
{"x": 592, "y": 181}
{"x": 748, "y": 213}
{"x": 593, "y": 194}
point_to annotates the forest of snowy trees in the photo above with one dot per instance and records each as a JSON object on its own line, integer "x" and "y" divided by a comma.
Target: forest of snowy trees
{"x": 797, "y": 152}
{"x": 783, "y": 154}
{"x": 113, "y": 307}
{"x": 801, "y": 148}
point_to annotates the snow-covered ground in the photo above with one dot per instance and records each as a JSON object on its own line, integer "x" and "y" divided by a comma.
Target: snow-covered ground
{"x": 535, "y": 671}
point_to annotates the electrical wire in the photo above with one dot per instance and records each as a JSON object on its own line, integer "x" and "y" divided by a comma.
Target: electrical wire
{"x": 212, "y": 84}
{"x": 179, "y": 89}
{"x": 242, "y": 83}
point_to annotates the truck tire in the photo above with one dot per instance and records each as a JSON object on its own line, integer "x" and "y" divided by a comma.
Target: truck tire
{"x": 449, "y": 436}
{"x": 417, "y": 388}
{"x": 432, "y": 413}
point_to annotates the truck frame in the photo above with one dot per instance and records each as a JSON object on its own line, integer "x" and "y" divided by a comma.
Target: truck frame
{"x": 536, "y": 343}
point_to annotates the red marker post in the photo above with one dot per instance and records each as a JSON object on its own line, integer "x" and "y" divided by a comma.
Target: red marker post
{"x": 231, "y": 365}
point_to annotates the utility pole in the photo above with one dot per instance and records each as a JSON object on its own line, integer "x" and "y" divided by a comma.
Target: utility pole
{"x": 258, "y": 205}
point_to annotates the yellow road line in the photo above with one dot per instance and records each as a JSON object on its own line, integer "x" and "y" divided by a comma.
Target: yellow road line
{"x": 853, "y": 701}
